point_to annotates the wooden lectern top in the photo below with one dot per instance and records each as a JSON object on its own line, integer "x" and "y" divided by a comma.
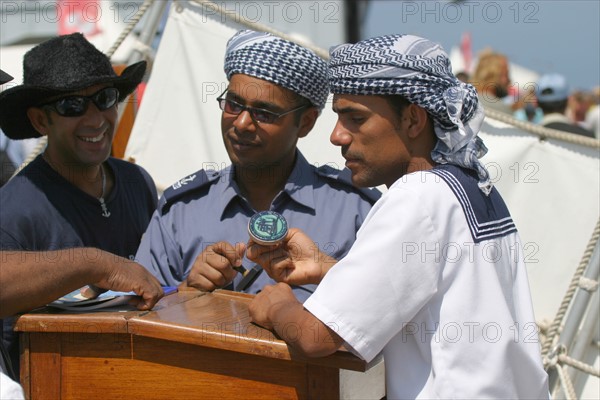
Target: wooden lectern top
{"x": 218, "y": 320}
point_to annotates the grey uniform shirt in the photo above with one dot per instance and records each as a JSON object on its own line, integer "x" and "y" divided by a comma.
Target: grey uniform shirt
{"x": 207, "y": 207}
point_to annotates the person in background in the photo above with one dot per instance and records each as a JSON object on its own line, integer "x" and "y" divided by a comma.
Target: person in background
{"x": 526, "y": 108}
{"x": 492, "y": 81}
{"x": 275, "y": 93}
{"x": 578, "y": 104}
{"x": 463, "y": 76}
{"x": 73, "y": 194}
{"x": 592, "y": 117}
{"x": 419, "y": 284}
{"x": 552, "y": 93}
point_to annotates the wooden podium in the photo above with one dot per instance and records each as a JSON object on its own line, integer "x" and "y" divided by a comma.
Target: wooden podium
{"x": 192, "y": 345}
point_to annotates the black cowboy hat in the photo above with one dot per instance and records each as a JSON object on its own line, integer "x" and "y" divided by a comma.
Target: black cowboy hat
{"x": 4, "y": 77}
{"x": 58, "y": 66}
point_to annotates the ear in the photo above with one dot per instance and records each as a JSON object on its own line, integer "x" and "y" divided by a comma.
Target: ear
{"x": 39, "y": 119}
{"x": 417, "y": 118}
{"x": 308, "y": 120}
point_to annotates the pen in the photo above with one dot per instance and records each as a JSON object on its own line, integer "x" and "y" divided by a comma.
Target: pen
{"x": 241, "y": 270}
{"x": 249, "y": 277}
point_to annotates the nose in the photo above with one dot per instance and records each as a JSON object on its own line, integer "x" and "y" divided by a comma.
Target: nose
{"x": 340, "y": 136}
{"x": 243, "y": 121}
{"x": 94, "y": 117}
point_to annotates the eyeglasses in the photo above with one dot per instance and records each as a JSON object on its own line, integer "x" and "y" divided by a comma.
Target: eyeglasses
{"x": 258, "y": 115}
{"x": 76, "y": 106}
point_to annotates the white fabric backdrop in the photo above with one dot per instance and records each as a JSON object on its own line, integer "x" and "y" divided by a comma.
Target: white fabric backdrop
{"x": 551, "y": 187}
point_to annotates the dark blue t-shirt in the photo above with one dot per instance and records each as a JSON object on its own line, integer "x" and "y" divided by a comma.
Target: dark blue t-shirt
{"x": 40, "y": 210}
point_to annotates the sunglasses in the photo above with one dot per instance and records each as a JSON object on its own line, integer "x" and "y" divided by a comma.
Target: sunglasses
{"x": 76, "y": 106}
{"x": 258, "y": 115}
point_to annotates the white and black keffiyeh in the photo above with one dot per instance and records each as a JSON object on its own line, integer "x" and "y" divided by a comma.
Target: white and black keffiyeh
{"x": 279, "y": 61}
{"x": 420, "y": 71}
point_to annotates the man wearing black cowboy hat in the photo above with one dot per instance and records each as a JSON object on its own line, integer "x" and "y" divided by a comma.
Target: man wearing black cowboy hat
{"x": 74, "y": 194}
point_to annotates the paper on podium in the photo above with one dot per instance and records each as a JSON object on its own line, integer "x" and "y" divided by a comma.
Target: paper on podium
{"x": 75, "y": 301}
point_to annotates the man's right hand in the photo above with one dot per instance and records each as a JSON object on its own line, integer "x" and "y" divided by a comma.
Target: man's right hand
{"x": 295, "y": 261}
{"x": 125, "y": 276}
{"x": 214, "y": 267}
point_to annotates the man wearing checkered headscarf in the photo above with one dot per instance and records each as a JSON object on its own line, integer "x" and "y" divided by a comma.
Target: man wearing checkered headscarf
{"x": 420, "y": 71}
{"x": 275, "y": 91}
{"x": 279, "y": 61}
{"x": 435, "y": 281}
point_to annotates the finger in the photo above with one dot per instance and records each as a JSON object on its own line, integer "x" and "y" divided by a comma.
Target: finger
{"x": 258, "y": 310}
{"x": 212, "y": 274}
{"x": 208, "y": 279}
{"x": 241, "y": 249}
{"x": 151, "y": 300}
{"x": 273, "y": 261}
{"x": 233, "y": 254}
{"x": 91, "y": 291}
{"x": 183, "y": 286}
{"x": 211, "y": 270}
{"x": 88, "y": 292}
{"x": 146, "y": 303}
{"x": 261, "y": 254}
{"x": 151, "y": 293}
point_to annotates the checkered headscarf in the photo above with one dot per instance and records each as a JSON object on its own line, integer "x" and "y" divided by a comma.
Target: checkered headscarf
{"x": 419, "y": 71}
{"x": 279, "y": 61}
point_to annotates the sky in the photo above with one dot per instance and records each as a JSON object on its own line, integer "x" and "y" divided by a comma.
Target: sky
{"x": 546, "y": 36}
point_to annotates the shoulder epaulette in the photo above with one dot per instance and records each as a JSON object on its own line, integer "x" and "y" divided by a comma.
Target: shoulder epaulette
{"x": 328, "y": 171}
{"x": 186, "y": 185}
{"x": 345, "y": 176}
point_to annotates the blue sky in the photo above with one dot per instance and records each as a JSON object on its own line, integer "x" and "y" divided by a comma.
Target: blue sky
{"x": 545, "y": 36}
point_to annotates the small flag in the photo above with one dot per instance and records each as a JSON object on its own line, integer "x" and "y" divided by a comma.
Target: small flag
{"x": 467, "y": 53}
